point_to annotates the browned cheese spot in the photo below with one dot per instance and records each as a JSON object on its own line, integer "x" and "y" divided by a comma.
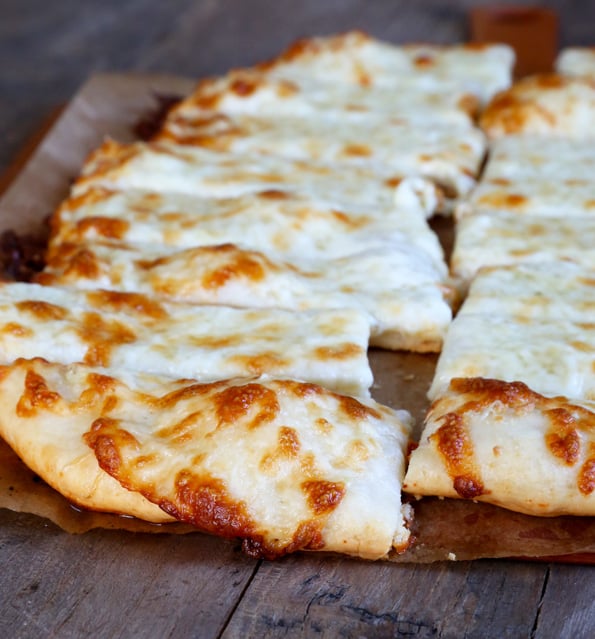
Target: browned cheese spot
{"x": 100, "y": 389}
{"x": 455, "y": 446}
{"x": 323, "y": 496}
{"x": 17, "y": 330}
{"x": 344, "y": 351}
{"x": 274, "y": 194}
{"x": 182, "y": 431}
{"x": 87, "y": 198}
{"x": 356, "y": 410}
{"x": 504, "y": 200}
{"x": 134, "y": 303}
{"x": 240, "y": 265}
{"x": 562, "y": 439}
{"x": 393, "y": 182}
{"x": 550, "y": 81}
{"x": 259, "y": 364}
{"x": 83, "y": 264}
{"x": 237, "y": 402}
{"x": 110, "y": 228}
{"x": 586, "y": 474}
{"x": 357, "y": 150}
{"x": 36, "y": 396}
{"x": 424, "y": 61}
{"x": 42, "y": 310}
{"x": 101, "y": 336}
{"x": 108, "y": 440}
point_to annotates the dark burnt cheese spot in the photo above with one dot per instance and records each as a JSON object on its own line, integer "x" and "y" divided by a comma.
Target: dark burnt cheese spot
{"x": 274, "y": 194}
{"x": 101, "y": 336}
{"x": 42, "y": 310}
{"x": 108, "y": 441}
{"x": 250, "y": 400}
{"x": 17, "y": 330}
{"x": 36, "y": 396}
{"x": 484, "y": 391}
{"x": 454, "y": 444}
{"x": 140, "y": 306}
{"x": 110, "y": 228}
{"x": 562, "y": 439}
{"x": 241, "y": 265}
{"x": 323, "y": 496}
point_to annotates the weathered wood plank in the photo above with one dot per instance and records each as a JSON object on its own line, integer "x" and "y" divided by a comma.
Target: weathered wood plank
{"x": 567, "y": 608}
{"x": 330, "y": 597}
{"x": 115, "y": 584}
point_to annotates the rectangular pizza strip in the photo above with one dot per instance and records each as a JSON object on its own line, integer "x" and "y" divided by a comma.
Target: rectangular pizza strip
{"x": 129, "y": 331}
{"x": 298, "y": 228}
{"x": 402, "y": 291}
{"x": 548, "y": 104}
{"x": 513, "y": 413}
{"x": 505, "y": 444}
{"x": 253, "y": 93}
{"x": 282, "y": 465}
{"x": 449, "y": 156}
{"x": 550, "y": 350}
{"x": 200, "y": 172}
{"x": 355, "y": 58}
{"x": 500, "y": 238}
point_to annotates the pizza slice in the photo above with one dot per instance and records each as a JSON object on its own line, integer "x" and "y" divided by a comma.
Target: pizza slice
{"x": 541, "y": 333}
{"x": 500, "y": 238}
{"x": 449, "y": 156}
{"x": 282, "y": 465}
{"x": 200, "y": 172}
{"x": 130, "y": 331}
{"x": 503, "y": 443}
{"x": 355, "y": 58}
{"x": 548, "y": 104}
{"x": 294, "y": 227}
{"x": 406, "y": 296}
{"x": 253, "y": 93}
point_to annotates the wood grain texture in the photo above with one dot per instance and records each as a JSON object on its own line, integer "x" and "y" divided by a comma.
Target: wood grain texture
{"x": 114, "y": 584}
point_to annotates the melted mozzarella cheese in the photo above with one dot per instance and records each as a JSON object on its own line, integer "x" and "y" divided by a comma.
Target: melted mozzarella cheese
{"x": 451, "y": 157}
{"x": 283, "y": 465}
{"x": 501, "y": 238}
{"x": 117, "y": 330}
{"x": 507, "y": 445}
{"x": 549, "y": 105}
{"x": 550, "y": 352}
{"x": 197, "y": 171}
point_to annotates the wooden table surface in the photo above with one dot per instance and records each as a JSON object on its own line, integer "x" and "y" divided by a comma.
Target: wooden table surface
{"x": 116, "y": 584}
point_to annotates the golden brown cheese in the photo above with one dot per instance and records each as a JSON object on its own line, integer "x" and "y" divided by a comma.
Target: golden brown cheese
{"x": 245, "y": 459}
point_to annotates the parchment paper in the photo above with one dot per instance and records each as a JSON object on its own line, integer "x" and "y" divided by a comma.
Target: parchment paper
{"x": 110, "y": 105}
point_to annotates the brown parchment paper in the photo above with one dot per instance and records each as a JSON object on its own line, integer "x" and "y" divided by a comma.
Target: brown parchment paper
{"x": 111, "y": 105}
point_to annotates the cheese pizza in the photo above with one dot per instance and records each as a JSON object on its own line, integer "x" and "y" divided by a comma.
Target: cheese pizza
{"x": 253, "y": 93}
{"x": 505, "y": 444}
{"x": 500, "y": 237}
{"x": 128, "y": 331}
{"x": 549, "y": 350}
{"x": 405, "y": 295}
{"x": 282, "y": 465}
{"x": 450, "y": 157}
{"x": 200, "y": 172}
{"x": 300, "y": 228}
{"x": 356, "y": 58}
{"x": 549, "y": 104}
